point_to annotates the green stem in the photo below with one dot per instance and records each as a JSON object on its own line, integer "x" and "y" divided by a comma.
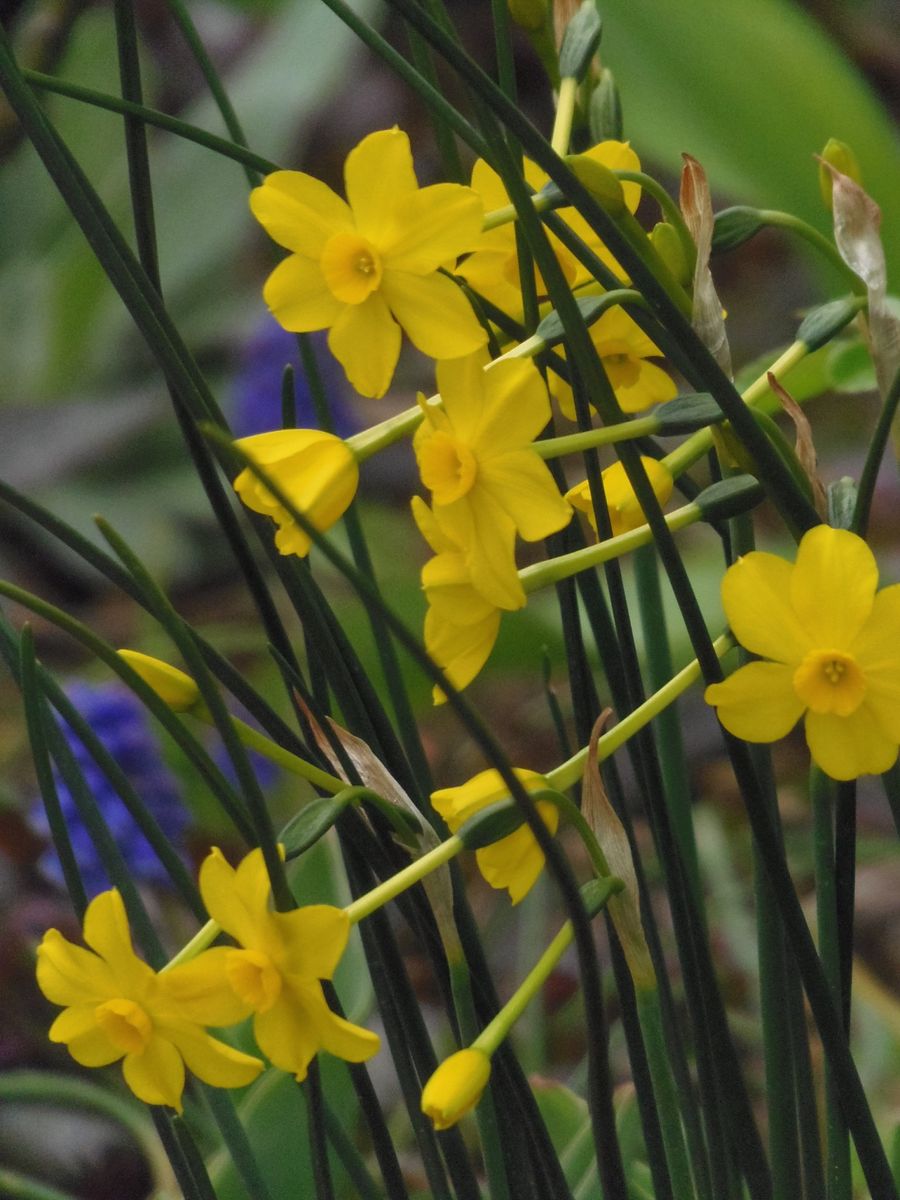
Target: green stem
{"x": 607, "y": 435}
{"x": 551, "y": 571}
{"x": 365, "y": 905}
{"x": 874, "y": 455}
{"x": 783, "y": 220}
{"x": 569, "y": 772}
{"x": 565, "y": 112}
{"x": 838, "y": 1179}
{"x": 665, "y": 1092}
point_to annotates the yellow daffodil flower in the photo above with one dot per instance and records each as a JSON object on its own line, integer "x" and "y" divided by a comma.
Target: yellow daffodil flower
{"x": 276, "y": 971}
{"x": 455, "y": 1087}
{"x": 832, "y": 642}
{"x": 623, "y": 348}
{"x": 493, "y": 270}
{"x": 624, "y": 511}
{"x": 460, "y": 625}
{"x": 316, "y": 471}
{"x": 117, "y": 1007}
{"x": 365, "y": 268}
{"x": 475, "y": 456}
{"x": 513, "y": 862}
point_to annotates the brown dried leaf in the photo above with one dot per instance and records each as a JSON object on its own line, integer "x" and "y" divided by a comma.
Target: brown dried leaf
{"x": 375, "y": 775}
{"x": 857, "y": 222}
{"x": 624, "y": 908}
{"x": 708, "y": 319}
{"x": 805, "y": 448}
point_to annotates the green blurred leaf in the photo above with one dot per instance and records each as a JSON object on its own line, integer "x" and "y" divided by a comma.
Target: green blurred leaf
{"x": 753, "y": 91}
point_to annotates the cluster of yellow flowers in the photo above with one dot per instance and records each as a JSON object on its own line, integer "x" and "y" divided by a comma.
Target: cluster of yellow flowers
{"x": 367, "y": 267}
{"x": 117, "y": 1007}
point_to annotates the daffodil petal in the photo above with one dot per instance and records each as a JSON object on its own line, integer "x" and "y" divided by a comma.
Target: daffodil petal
{"x": 459, "y": 650}
{"x": 240, "y": 913}
{"x": 74, "y": 1022}
{"x": 156, "y": 1075}
{"x": 285, "y": 1033}
{"x": 446, "y": 582}
{"x": 378, "y": 174}
{"x": 68, "y": 974}
{"x": 93, "y": 1048}
{"x": 365, "y": 339}
{"x": 847, "y": 747}
{"x": 298, "y": 296}
{"x": 514, "y": 863}
{"x": 833, "y": 586}
{"x": 106, "y": 931}
{"x": 213, "y": 1061}
{"x": 299, "y": 212}
{"x": 877, "y": 650}
{"x": 434, "y": 312}
{"x": 489, "y": 186}
{"x": 653, "y": 386}
{"x": 434, "y": 226}
{"x": 484, "y": 529}
{"x": 315, "y": 936}
{"x": 521, "y": 484}
{"x": 757, "y": 702}
{"x": 199, "y": 990}
{"x": 337, "y": 1036}
{"x": 516, "y": 407}
{"x": 756, "y": 594}
{"x": 462, "y": 383}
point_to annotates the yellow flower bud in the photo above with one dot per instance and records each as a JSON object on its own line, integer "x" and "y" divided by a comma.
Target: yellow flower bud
{"x": 171, "y": 685}
{"x": 316, "y": 471}
{"x": 839, "y": 155}
{"x": 455, "y": 1087}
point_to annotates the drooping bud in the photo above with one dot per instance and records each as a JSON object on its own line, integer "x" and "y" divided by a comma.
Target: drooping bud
{"x": 456, "y": 1087}
{"x": 178, "y": 690}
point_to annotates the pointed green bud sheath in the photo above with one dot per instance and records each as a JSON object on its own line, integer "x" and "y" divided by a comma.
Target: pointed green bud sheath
{"x": 580, "y": 42}
{"x": 820, "y": 326}
{"x": 686, "y": 414}
{"x": 729, "y": 497}
{"x": 734, "y": 226}
{"x": 529, "y": 14}
{"x": 842, "y": 503}
{"x": 668, "y": 246}
{"x": 840, "y": 156}
{"x": 605, "y": 110}
{"x": 599, "y": 181}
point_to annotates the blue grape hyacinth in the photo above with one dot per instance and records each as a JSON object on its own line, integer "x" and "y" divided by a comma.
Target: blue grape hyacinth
{"x": 119, "y": 721}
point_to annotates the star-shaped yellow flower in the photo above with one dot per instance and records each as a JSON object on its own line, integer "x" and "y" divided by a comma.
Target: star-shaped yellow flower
{"x": 117, "y": 1007}
{"x": 493, "y": 270}
{"x": 316, "y": 471}
{"x": 624, "y": 511}
{"x": 624, "y": 349}
{"x": 277, "y": 970}
{"x": 366, "y": 267}
{"x": 476, "y": 458}
{"x": 833, "y": 645}
{"x": 515, "y": 861}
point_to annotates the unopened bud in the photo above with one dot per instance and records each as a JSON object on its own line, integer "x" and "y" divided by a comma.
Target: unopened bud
{"x": 669, "y": 247}
{"x": 839, "y": 155}
{"x": 178, "y": 690}
{"x": 605, "y": 110}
